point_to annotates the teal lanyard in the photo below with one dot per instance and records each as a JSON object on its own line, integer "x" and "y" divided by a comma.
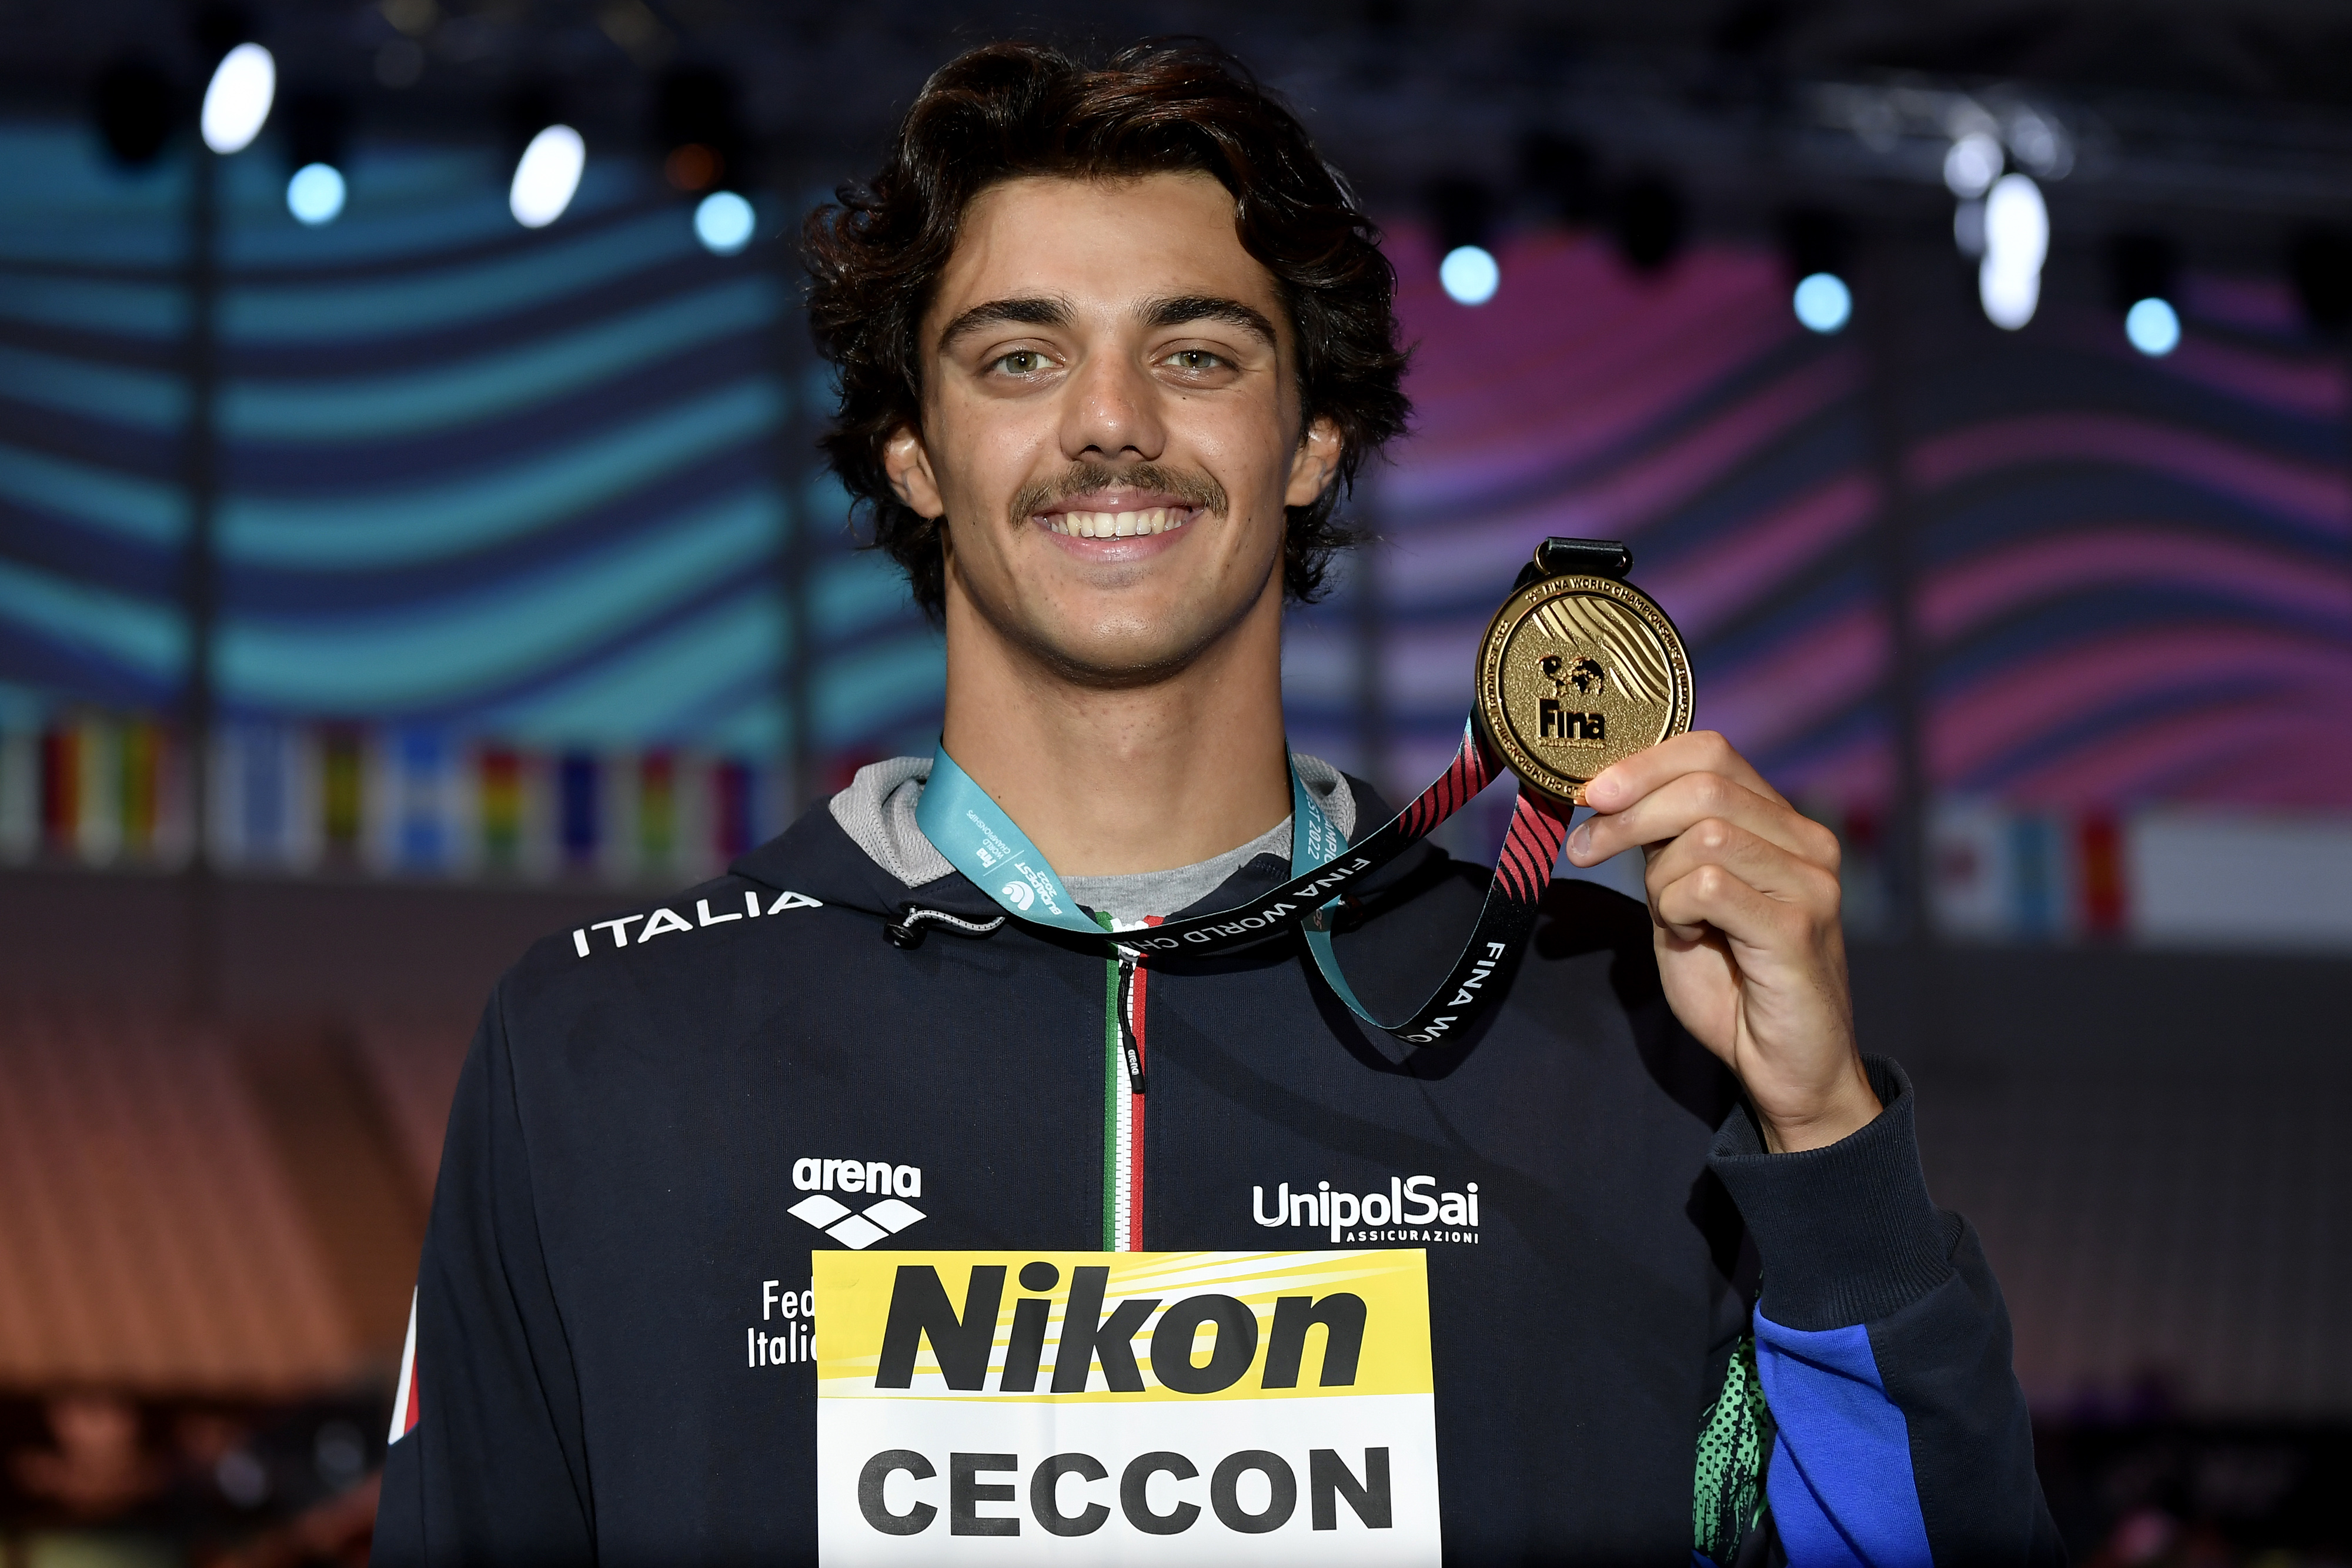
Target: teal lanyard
{"x": 996, "y": 857}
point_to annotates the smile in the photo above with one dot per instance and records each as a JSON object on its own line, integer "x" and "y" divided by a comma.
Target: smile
{"x": 1117, "y": 525}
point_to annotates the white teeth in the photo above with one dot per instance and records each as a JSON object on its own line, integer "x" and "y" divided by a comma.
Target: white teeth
{"x": 1116, "y": 524}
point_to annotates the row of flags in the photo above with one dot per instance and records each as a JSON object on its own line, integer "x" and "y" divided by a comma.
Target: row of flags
{"x": 106, "y": 790}
{"x": 112, "y": 789}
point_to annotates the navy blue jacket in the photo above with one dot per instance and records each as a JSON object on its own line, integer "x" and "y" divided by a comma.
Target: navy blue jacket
{"x": 615, "y": 1191}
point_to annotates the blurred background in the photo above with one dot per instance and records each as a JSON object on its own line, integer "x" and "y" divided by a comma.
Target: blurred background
{"x": 412, "y": 541}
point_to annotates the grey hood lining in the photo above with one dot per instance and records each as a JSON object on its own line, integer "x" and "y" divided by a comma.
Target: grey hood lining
{"x": 877, "y": 812}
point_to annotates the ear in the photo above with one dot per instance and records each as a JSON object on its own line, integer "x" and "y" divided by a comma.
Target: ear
{"x": 1315, "y": 464}
{"x": 908, "y": 464}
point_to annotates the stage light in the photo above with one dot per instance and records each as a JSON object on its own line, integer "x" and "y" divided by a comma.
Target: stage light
{"x": 237, "y": 104}
{"x": 546, "y": 177}
{"x": 1470, "y": 275}
{"x": 1971, "y": 164}
{"x": 315, "y": 195}
{"x": 134, "y": 102}
{"x": 1824, "y": 304}
{"x": 2017, "y": 242}
{"x": 313, "y": 125}
{"x": 2141, "y": 271}
{"x": 1461, "y": 220}
{"x": 1816, "y": 243}
{"x": 2152, "y": 327}
{"x": 723, "y": 222}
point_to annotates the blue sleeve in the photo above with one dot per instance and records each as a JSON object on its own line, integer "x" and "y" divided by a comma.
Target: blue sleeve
{"x": 1882, "y": 1346}
{"x": 1840, "y": 1481}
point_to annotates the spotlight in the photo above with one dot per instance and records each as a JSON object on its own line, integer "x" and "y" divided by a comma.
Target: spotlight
{"x": 546, "y": 177}
{"x": 134, "y": 102}
{"x": 315, "y": 193}
{"x": 723, "y": 222}
{"x": 2141, "y": 269}
{"x": 695, "y": 129}
{"x": 2152, "y": 327}
{"x": 2320, "y": 262}
{"x": 2017, "y": 242}
{"x": 1822, "y": 302}
{"x": 1816, "y": 244}
{"x": 1469, "y": 274}
{"x": 1971, "y": 164}
{"x": 1461, "y": 212}
{"x": 1650, "y": 221}
{"x": 236, "y": 103}
{"x": 314, "y": 150}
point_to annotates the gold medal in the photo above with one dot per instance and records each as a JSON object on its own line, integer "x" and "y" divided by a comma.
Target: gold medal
{"x": 1578, "y": 671}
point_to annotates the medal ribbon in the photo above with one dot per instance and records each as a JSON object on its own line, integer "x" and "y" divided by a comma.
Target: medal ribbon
{"x": 982, "y": 843}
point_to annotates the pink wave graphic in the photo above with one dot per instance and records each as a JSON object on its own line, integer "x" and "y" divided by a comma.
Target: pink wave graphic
{"x": 1705, "y": 586}
{"x": 1958, "y": 598}
{"x": 1773, "y": 696}
{"x": 2280, "y": 754}
{"x": 2320, "y": 497}
{"x": 2033, "y": 700}
{"x": 1618, "y": 503}
{"x": 1859, "y": 773}
{"x": 2304, "y": 382}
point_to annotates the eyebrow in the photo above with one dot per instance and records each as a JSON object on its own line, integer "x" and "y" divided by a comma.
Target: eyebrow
{"x": 1184, "y": 307}
{"x": 1036, "y": 310}
{"x": 1039, "y": 310}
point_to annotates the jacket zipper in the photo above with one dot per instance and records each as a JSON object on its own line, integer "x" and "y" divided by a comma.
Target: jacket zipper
{"x": 1124, "y": 985}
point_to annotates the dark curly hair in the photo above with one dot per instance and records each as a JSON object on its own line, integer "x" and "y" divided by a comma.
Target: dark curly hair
{"x": 1006, "y": 110}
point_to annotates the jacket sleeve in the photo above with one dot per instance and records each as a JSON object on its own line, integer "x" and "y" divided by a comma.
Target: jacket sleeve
{"x": 491, "y": 1467}
{"x": 1883, "y": 1350}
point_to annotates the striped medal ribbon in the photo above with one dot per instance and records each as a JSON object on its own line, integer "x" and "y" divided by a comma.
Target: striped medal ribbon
{"x": 1578, "y": 669}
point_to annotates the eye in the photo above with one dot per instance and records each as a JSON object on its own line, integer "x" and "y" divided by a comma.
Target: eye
{"x": 1020, "y": 362}
{"x": 1196, "y": 360}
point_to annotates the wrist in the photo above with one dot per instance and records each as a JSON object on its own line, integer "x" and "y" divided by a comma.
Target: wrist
{"x": 1843, "y": 1109}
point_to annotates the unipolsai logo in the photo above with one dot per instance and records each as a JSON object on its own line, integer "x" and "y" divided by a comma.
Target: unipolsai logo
{"x": 1410, "y": 1209}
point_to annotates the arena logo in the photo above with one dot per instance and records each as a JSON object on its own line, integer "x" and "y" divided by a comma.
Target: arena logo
{"x": 853, "y": 1229}
{"x": 666, "y": 920}
{"x": 1412, "y": 1209}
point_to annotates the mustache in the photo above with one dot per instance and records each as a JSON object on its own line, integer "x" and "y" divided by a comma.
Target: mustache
{"x": 1080, "y": 478}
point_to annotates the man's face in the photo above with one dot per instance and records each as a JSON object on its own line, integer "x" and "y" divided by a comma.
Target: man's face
{"x": 1110, "y": 424}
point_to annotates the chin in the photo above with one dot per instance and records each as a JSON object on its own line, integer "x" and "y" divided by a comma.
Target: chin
{"x": 1118, "y": 654}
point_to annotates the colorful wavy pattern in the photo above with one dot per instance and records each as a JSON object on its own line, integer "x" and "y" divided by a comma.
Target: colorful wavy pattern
{"x": 2133, "y": 578}
{"x": 540, "y": 487}
{"x": 535, "y": 485}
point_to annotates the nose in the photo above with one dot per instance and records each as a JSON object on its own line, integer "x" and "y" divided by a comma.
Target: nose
{"x": 1112, "y": 414}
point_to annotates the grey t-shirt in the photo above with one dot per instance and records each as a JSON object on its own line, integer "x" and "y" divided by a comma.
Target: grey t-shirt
{"x": 877, "y": 811}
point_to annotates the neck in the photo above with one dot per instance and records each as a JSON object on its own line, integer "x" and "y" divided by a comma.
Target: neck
{"x": 1108, "y": 779}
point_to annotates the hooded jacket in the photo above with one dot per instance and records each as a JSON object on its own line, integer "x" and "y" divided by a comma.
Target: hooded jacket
{"x": 1636, "y": 1313}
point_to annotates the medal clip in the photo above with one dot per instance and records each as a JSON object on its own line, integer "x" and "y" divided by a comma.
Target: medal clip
{"x": 1557, "y": 555}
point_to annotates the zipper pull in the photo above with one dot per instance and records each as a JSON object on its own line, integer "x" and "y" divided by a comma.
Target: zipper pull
{"x": 1127, "y": 1043}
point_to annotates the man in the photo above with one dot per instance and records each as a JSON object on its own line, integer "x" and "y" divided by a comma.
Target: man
{"x": 1111, "y": 343}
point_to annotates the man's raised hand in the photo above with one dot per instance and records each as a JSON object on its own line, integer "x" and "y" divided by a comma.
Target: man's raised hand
{"x": 1743, "y": 891}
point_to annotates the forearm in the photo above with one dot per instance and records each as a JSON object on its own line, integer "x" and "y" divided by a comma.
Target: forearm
{"x": 1884, "y": 1348}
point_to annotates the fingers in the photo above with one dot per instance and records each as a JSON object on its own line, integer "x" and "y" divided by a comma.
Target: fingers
{"x": 1711, "y": 897}
{"x": 1700, "y": 751}
{"x": 1687, "y": 799}
{"x": 1761, "y": 862}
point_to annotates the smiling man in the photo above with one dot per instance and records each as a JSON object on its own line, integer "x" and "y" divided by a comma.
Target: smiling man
{"x": 881, "y": 1200}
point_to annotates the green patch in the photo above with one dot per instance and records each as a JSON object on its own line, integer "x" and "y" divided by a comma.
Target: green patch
{"x": 1728, "y": 1490}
